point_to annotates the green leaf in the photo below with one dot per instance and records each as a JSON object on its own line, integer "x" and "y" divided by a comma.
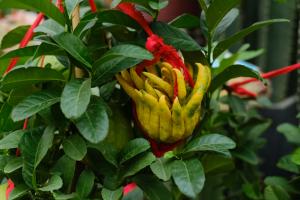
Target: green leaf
{"x": 246, "y": 154}
{"x": 296, "y": 156}
{"x": 33, "y": 104}
{"x": 33, "y": 75}
{"x": 278, "y": 181}
{"x": 12, "y": 140}
{"x": 44, "y": 144}
{"x": 112, "y": 194}
{"x": 225, "y": 44}
{"x": 118, "y": 18}
{"x": 59, "y": 196}
{"x": 50, "y": 27}
{"x": 75, "y": 147}
{"x": 158, "y": 5}
{"x": 275, "y": 193}
{"x": 216, "y": 164}
{"x": 19, "y": 191}
{"x": 108, "y": 151}
{"x": 287, "y": 164}
{"x": 210, "y": 142}
{"x": 14, "y": 37}
{"x": 186, "y": 21}
{"x": 203, "y": 5}
{"x": 217, "y": 11}
{"x": 85, "y": 183}
{"x": 138, "y": 163}
{"x": 291, "y": 132}
{"x": 94, "y": 123}
{"x": 13, "y": 164}
{"x": 118, "y": 59}
{"x": 161, "y": 168}
{"x": 153, "y": 188}
{"x": 175, "y": 37}
{"x": 54, "y": 183}
{"x": 231, "y": 72}
{"x": 188, "y": 176}
{"x": 227, "y": 21}
{"x": 75, "y": 98}
{"x": 43, "y": 6}
{"x": 70, "y": 6}
{"x": 65, "y": 167}
{"x": 75, "y": 47}
{"x": 133, "y": 148}
{"x": 28, "y": 146}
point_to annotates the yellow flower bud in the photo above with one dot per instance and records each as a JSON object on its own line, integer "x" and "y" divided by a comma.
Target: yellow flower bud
{"x": 166, "y": 117}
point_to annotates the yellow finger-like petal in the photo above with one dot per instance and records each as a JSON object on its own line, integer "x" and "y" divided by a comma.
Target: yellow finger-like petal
{"x": 181, "y": 84}
{"x": 128, "y": 89}
{"x": 154, "y": 115}
{"x": 126, "y": 76}
{"x": 152, "y": 69}
{"x": 177, "y": 121}
{"x": 191, "y": 70}
{"x": 165, "y": 126}
{"x": 192, "y": 123}
{"x": 149, "y": 89}
{"x": 138, "y": 81}
{"x": 203, "y": 78}
{"x": 194, "y": 103}
{"x": 163, "y": 85}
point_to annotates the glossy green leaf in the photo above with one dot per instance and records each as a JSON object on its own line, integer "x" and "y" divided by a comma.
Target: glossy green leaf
{"x": 50, "y": 27}
{"x": 227, "y": 21}
{"x": 14, "y": 36}
{"x": 33, "y": 75}
{"x": 75, "y": 98}
{"x": 44, "y": 144}
{"x": 153, "y": 188}
{"x": 44, "y": 6}
{"x": 112, "y": 194}
{"x": 175, "y": 37}
{"x": 28, "y": 146}
{"x": 94, "y": 123}
{"x": 231, "y": 72}
{"x": 210, "y": 142}
{"x": 118, "y": 18}
{"x": 117, "y": 59}
{"x": 11, "y": 140}
{"x": 138, "y": 163}
{"x": 228, "y": 42}
{"x": 54, "y": 183}
{"x": 75, "y": 47}
{"x": 161, "y": 168}
{"x": 19, "y": 191}
{"x": 33, "y": 104}
{"x": 275, "y": 193}
{"x": 75, "y": 147}
{"x": 296, "y": 156}
{"x": 158, "y": 5}
{"x": 13, "y": 164}
{"x": 70, "y": 6}
{"x": 133, "y": 148}
{"x": 291, "y": 132}
{"x": 85, "y": 183}
{"x": 188, "y": 176}
{"x": 186, "y": 21}
{"x": 217, "y": 11}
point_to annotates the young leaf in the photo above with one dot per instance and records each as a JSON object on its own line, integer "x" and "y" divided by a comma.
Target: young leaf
{"x": 175, "y": 37}
{"x": 188, "y": 176}
{"x": 225, "y": 44}
{"x": 33, "y": 104}
{"x": 217, "y": 11}
{"x": 13, "y": 37}
{"x": 117, "y": 59}
{"x": 33, "y": 75}
{"x": 12, "y": 140}
{"x": 291, "y": 132}
{"x": 44, "y": 6}
{"x": 19, "y": 191}
{"x": 75, "y": 147}
{"x": 210, "y": 142}
{"x": 153, "y": 188}
{"x": 133, "y": 148}
{"x": 75, "y": 98}
{"x": 162, "y": 169}
{"x": 94, "y": 123}
{"x": 28, "y": 146}
{"x": 85, "y": 183}
{"x": 112, "y": 194}
{"x": 13, "y": 164}
{"x": 186, "y": 21}
{"x": 54, "y": 183}
{"x": 231, "y": 72}
{"x": 75, "y": 47}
